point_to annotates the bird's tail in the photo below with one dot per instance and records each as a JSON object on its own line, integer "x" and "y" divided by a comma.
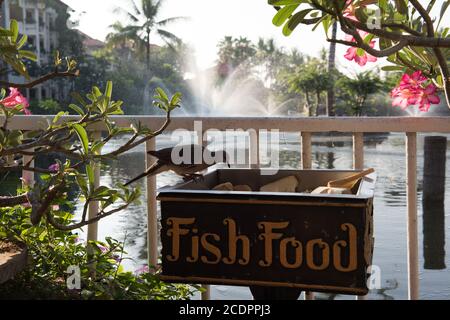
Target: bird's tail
{"x": 149, "y": 172}
{"x": 153, "y": 153}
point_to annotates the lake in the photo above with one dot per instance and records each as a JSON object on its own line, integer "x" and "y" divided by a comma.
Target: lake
{"x": 385, "y": 153}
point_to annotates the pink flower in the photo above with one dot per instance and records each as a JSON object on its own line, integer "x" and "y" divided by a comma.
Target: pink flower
{"x": 143, "y": 269}
{"x": 55, "y": 207}
{"x": 352, "y": 52}
{"x": 404, "y": 97}
{"x": 412, "y": 91}
{"x": 14, "y": 99}
{"x": 413, "y": 81}
{"x": 54, "y": 167}
{"x": 103, "y": 249}
{"x": 428, "y": 97}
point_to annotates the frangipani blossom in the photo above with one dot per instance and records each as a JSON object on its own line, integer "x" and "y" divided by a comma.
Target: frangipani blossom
{"x": 413, "y": 81}
{"x": 404, "y": 97}
{"x": 428, "y": 97}
{"x": 14, "y": 99}
{"x": 412, "y": 91}
{"x": 352, "y": 52}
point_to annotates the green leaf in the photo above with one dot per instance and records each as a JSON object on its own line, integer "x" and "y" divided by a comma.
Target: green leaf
{"x": 176, "y": 100}
{"x": 82, "y": 135}
{"x": 101, "y": 191}
{"x": 90, "y": 175}
{"x": 294, "y": 21}
{"x": 431, "y": 5}
{"x": 283, "y": 14}
{"x": 401, "y": 6}
{"x": 82, "y": 184}
{"x": 162, "y": 95}
{"x": 58, "y": 116}
{"x": 79, "y": 98}
{"x": 108, "y": 91}
{"x": 392, "y": 68}
{"x": 22, "y": 41}
{"x": 14, "y": 26}
{"x": 444, "y": 8}
{"x": 28, "y": 55}
{"x": 77, "y": 109}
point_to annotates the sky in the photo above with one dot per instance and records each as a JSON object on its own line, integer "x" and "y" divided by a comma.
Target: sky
{"x": 209, "y": 21}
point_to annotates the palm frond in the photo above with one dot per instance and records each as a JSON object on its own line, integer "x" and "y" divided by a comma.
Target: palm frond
{"x": 168, "y": 37}
{"x": 135, "y": 8}
{"x": 126, "y": 13}
{"x": 165, "y": 22}
{"x": 150, "y": 8}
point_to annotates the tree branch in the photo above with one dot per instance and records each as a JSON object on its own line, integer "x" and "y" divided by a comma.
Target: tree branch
{"x": 47, "y": 77}
{"x": 13, "y": 201}
{"x": 442, "y": 61}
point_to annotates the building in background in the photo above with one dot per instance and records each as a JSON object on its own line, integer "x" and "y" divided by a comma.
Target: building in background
{"x": 36, "y": 19}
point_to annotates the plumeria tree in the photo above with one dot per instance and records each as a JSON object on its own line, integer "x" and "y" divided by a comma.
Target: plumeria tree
{"x": 410, "y": 35}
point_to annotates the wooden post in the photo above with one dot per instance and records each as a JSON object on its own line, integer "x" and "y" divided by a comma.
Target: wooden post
{"x": 435, "y": 150}
{"x": 358, "y": 151}
{"x": 307, "y": 164}
{"x": 92, "y": 231}
{"x": 206, "y": 295}
{"x": 358, "y": 164}
{"x": 411, "y": 192}
{"x": 254, "y": 148}
{"x": 306, "y": 150}
{"x": 152, "y": 220}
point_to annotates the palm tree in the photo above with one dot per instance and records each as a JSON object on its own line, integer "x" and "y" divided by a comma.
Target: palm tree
{"x": 144, "y": 21}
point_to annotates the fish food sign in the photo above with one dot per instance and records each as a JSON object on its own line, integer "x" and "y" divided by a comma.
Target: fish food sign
{"x": 306, "y": 243}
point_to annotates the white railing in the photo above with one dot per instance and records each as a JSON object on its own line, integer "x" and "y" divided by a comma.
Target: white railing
{"x": 357, "y": 126}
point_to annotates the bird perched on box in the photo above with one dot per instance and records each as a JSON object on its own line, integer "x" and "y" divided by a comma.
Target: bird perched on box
{"x": 185, "y": 161}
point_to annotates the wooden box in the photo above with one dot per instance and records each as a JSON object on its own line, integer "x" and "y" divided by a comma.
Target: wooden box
{"x": 313, "y": 242}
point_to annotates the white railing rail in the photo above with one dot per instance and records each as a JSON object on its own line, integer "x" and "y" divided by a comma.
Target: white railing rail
{"x": 307, "y": 126}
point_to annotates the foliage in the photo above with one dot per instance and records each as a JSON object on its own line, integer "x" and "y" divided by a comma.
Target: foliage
{"x": 354, "y": 92}
{"x": 47, "y": 106}
{"x": 311, "y": 80}
{"x": 11, "y": 49}
{"x": 233, "y": 52}
{"x": 407, "y": 33}
{"x": 41, "y": 214}
{"x": 144, "y": 20}
{"x": 52, "y": 252}
{"x": 130, "y": 76}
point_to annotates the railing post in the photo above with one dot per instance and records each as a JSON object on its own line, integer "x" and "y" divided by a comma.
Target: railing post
{"x": 92, "y": 230}
{"x": 152, "y": 220}
{"x": 306, "y": 150}
{"x": 358, "y": 151}
{"x": 254, "y": 148}
{"x": 307, "y": 164}
{"x": 206, "y": 295}
{"x": 358, "y": 164}
{"x": 411, "y": 192}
